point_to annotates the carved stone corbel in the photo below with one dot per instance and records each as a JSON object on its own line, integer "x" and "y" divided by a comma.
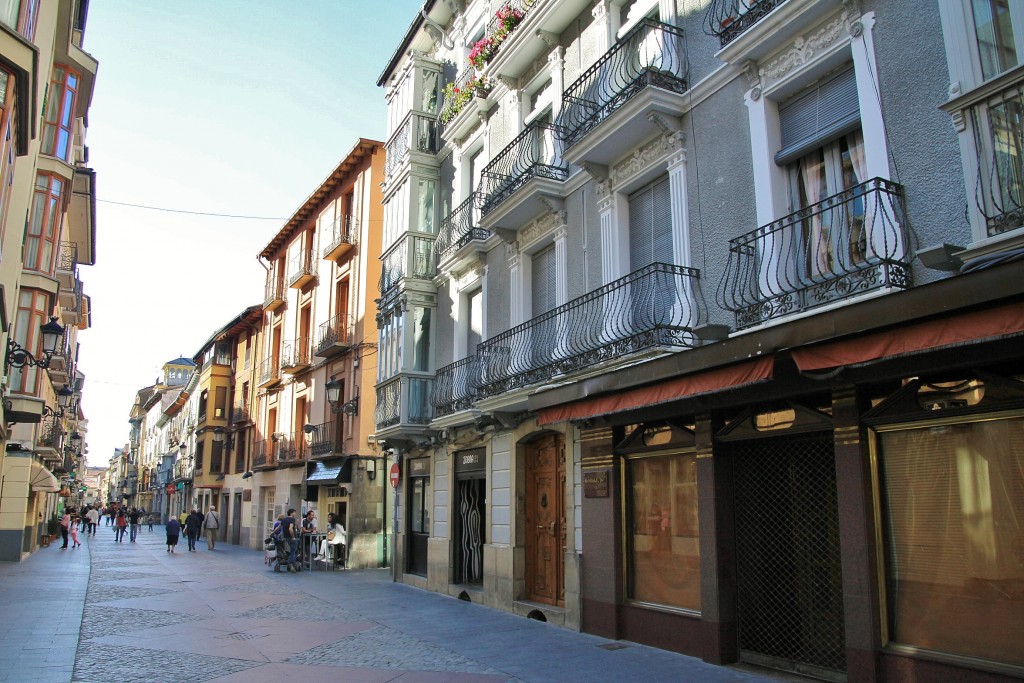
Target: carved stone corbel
{"x": 508, "y": 81}
{"x": 550, "y": 39}
{"x": 598, "y": 172}
{"x": 753, "y": 76}
{"x": 555, "y": 205}
{"x": 667, "y": 124}
{"x": 506, "y": 235}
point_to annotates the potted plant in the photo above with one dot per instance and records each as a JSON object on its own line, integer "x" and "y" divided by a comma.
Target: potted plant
{"x": 456, "y": 97}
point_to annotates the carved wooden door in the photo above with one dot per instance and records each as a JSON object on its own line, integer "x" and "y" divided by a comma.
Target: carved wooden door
{"x": 545, "y": 520}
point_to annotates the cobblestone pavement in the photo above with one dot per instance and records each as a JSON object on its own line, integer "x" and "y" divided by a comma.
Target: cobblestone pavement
{"x": 223, "y": 616}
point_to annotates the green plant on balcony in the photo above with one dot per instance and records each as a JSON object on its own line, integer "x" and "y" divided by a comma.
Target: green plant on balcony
{"x": 456, "y": 97}
{"x": 484, "y": 49}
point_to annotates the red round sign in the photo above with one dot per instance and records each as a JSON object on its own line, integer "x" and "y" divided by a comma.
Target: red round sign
{"x": 395, "y": 475}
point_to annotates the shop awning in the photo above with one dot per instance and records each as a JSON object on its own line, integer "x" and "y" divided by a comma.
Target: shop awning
{"x": 958, "y": 330}
{"x": 749, "y": 372}
{"x": 327, "y": 473}
{"x": 43, "y": 480}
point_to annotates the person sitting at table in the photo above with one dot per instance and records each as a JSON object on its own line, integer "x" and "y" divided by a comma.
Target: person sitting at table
{"x": 335, "y": 540}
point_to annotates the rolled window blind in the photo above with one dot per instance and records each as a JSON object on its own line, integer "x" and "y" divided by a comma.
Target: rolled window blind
{"x": 818, "y": 116}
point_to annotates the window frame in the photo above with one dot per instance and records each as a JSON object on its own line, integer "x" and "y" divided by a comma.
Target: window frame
{"x": 58, "y": 126}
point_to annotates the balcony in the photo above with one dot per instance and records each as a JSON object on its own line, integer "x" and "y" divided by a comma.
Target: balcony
{"x": 403, "y": 401}
{"x": 70, "y": 299}
{"x": 653, "y": 309}
{"x": 846, "y": 245}
{"x": 627, "y": 97}
{"x": 998, "y": 124}
{"x": 278, "y": 450}
{"x": 326, "y": 440}
{"x": 417, "y": 133}
{"x": 274, "y": 295}
{"x": 335, "y": 336}
{"x": 50, "y": 444}
{"x": 455, "y": 387}
{"x": 465, "y": 103}
{"x": 295, "y": 355}
{"x": 459, "y": 236}
{"x": 61, "y": 366}
{"x": 240, "y": 413}
{"x": 270, "y": 373}
{"x": 400, "y": 262}
{"x": 341, "y": 238}
{"x": 301, "y": 270}
{"x": 727, "y": 19}
{"x": 515, "y": 181}
{"x": 67, "y": 265}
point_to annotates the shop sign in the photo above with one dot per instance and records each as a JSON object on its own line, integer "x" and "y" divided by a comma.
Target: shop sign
{"x": 420, "y": 467}
{"x": 595, "y": 484}
{"x": 472, "y": 460}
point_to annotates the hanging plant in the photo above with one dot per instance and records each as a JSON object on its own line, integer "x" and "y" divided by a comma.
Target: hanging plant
{"x": 456, "y": 96}
{"x": 486, "y": 48}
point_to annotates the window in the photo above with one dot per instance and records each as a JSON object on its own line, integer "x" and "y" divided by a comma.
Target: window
{"x": 425, "y": 206}
{"x": 59, "y": 118}
{"x": 20, "y": 15}
{"x": 7, "y": 151}
{"x": 953, "y": 508}
{"x": 222, "y": 354}
{"x": 543, "y": 282}
{"x": 421, "y": 338}
{"x": 216, "y": 455}
{"x": 221, "y": 403}
{"x": 419, "y": 510}
{"x": 203, "y": 400}
{"x": 650, "y": 225}
{"x": 475, "y": 323}
{"x": 999, "y": 27}
{"x": 33, "y": 307}
{"x": 44, "y": 225}
{"x": 199, "y": 456}
{"x": 663, "y": 538}
{"x": 240, "y": 440}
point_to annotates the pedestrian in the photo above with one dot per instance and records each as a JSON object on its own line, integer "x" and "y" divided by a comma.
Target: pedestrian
{"x": 93, "y": 516}
{"x": 149, "y": 518}
{"x": 173, "y": 531}
{"x": 308, "y": 528}
{"x": 291, "y": 536}
{"x": 193, "y": 523}
{"x": 74, "y": 535}
{"x": 110, "y": 516}
{"x": 212, "y": 524}
{"x": 134, "y": 517}
{"x": 120, "y": 526}
{"x": 65, "y": 525}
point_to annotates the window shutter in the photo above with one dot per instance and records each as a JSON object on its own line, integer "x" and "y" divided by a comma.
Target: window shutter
{"x": 543, "y": 281}
{"x": 818, "y": 116}
{"x": 650, "y": 225}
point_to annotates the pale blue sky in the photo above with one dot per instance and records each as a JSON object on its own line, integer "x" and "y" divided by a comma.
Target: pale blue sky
{"x": 214, "y": 106}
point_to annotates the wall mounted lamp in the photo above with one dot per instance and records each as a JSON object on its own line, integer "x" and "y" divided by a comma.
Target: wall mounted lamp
{"x": 18, "y": 356}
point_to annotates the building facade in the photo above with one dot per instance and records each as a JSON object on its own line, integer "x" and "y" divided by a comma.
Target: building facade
{"x": 315, "y": 447}
{"x": 700, "y": 325}
{"x": 47, "y": 230}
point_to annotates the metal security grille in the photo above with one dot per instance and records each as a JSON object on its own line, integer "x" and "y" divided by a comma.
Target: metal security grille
{"x": 789, "y": 571}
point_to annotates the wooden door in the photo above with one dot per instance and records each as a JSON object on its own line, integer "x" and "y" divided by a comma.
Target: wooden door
{"x": 545, "y": 520}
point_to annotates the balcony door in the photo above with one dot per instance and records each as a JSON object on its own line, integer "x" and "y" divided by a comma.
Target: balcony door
{"x": 543, "y": 298}
{"x": 652, "y": 297}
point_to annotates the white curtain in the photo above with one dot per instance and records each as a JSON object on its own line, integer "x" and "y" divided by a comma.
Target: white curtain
{"x": 812, "y": 171}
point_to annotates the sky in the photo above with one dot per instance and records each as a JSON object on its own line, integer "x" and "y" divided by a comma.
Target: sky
{"x": 209, "y": 107}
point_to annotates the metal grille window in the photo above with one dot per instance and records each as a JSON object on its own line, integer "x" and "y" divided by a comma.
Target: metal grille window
{"x": 789, "y": 569}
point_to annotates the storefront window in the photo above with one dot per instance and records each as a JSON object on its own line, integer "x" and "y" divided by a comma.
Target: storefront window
{"x": 953, "y": 497}
{"x": 664, "y": 542}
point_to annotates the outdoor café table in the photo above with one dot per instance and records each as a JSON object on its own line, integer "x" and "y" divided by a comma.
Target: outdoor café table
{"x": 311, "y": 546}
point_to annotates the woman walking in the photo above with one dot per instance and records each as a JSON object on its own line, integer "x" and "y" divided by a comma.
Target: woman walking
{"x": 173, "y": 531}
{"x": 120, "y": 526}
{"x": 74, "y": 534}
{"x": 192, "y": 524}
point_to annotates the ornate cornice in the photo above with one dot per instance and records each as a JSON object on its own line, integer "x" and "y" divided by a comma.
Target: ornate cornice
{"x": 651, "y": 153}
{"x": 806, "y": 47}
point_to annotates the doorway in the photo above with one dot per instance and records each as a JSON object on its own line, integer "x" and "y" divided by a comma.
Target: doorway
{"x": 545, "y": 520}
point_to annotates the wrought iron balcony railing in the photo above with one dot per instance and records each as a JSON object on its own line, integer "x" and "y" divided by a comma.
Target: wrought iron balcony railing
{"x": 338, "y": 332}
{"x": 418, "y": 132}
{"x": 850, "y": 243}
{"x": 455, "y": 387}
{"x": 301, "y": 269}
{"x": 998, "y": 124}
{"x": 325, "y": 439}
{"x": 656, "y": 306}
{"x": 403, "y": 400}
{"x": 727, "y": 19}
{"x": 270, "y": 370}
{"x": 239, "y": 412}
{"x": 534, "y": 153}
{"x": 650, "y": 55}
{"x": 459, "y": 228}
{"x": 344, "y": 230}
{"x": 274, "y": 293}
{"x": 295, "y": 353}
{"x": 395, "y": 262}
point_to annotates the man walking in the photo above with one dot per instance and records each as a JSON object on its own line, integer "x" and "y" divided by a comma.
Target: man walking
{"x": 134, "y": 517}
{"x": 93, "y": 515}
{"x": 212, "y": 524}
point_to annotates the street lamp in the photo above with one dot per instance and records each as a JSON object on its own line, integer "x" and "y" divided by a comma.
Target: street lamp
{"x": 333, "y": 388}
{"x": 334, "y": 397}
{"x": 18, "y": 356}
{"x": 218, "y": 435}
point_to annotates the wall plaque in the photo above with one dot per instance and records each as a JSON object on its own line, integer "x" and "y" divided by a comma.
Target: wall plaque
{"x": 595, "y": 484}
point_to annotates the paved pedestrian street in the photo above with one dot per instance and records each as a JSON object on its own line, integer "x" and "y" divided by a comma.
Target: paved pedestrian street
{"x": 133, "y": 612}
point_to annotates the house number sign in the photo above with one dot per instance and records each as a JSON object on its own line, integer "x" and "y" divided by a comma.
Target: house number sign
{"x": 595, "y": 484}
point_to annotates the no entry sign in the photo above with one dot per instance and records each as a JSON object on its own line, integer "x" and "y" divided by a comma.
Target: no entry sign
{"x": 395, "y": 475}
